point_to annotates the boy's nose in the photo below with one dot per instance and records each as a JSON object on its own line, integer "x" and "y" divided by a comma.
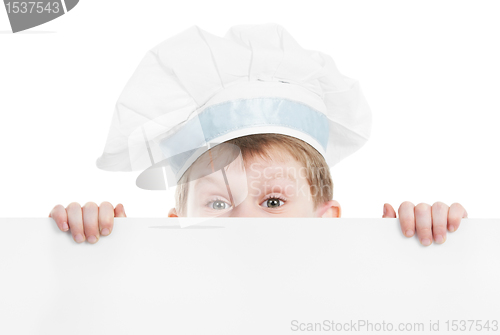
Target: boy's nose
{"x": 246, "y": 209}
{"x": 246, "y": 206}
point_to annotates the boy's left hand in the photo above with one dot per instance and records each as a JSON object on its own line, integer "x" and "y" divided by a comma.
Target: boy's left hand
{"x": 426, "y": 220}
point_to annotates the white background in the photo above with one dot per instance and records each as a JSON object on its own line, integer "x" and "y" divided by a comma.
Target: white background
{"x": 245, "y": 276}
{"x": 429, "y": 70}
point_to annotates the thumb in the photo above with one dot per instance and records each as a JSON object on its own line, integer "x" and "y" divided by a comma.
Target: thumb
{"x": 389, "y": 212}
{"x": 120, "y": 211}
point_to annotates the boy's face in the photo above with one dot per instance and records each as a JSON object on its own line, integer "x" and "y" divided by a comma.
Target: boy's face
{"x": 257, "y": 187}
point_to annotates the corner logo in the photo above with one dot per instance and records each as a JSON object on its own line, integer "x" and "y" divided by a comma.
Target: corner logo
{"x": 28, "y": 14}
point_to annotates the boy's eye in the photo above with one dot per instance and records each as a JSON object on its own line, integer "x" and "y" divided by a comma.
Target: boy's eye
{"x": 273, "y": 203}
{"x": 219, "y": 205}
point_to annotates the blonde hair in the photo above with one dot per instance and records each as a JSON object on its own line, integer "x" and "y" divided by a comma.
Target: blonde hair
{"x": 263, "y": 145}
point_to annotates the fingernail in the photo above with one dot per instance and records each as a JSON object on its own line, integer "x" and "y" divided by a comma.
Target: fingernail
{"x": 409, "y": 233}
{"x": 79, "y": 238}
{"x": 439, "y": 239}
{"x": 452, "y": 228}
{"x": 426, "y": 242}
{"x": 105, "y": 231}
{"x": 385, "y": 210}
{"x": 92, "y": 239}
{"x": 65, "y": 226}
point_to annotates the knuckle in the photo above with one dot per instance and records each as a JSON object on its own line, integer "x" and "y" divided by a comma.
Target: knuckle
{"x": 58, "y": 207}
{"x": 439, "y": 205}
{"x": 74, "y": 205}
{"x": 422, "y": 207}
{"x": 106, "y": 204}
{"x": 90, "y": 204}
{"x": 407, "y": 204}
{"x": 58, "y": 212}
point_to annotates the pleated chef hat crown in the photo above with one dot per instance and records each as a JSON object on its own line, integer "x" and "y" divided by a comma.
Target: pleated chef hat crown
{"x": 195, "y": 90}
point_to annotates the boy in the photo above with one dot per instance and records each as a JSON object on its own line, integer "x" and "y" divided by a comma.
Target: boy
{"x": 273, "y": 168}
{"x": 279, "y": 115}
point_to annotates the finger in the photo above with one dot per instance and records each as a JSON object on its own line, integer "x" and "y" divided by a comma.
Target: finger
{"x": 90, "y": 213}
{"x": 407, "y": 218}
{"x": 423, "y": 223}
{"x": 439, "y": 221}
{"x": 120, "y": 211}
{"x": 106, "y": 218}
{"x": 60, "y": 216}
{"x": 75, "y": 221}
{"x": 389, "y": 212}
{"x": 455, "y": 215}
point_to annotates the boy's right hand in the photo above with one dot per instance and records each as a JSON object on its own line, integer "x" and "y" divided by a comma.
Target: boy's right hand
{"x": 89, "y": 221}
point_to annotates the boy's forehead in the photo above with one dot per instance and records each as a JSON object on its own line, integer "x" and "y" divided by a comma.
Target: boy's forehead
{"x": 275, "y": 167}
{"x": 254, "y": 169}
{"x": 271, "y": 163}
{"x": 257, "y": 162}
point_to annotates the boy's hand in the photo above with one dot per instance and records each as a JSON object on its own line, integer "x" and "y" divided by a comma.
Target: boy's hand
{"x": 88, "y": 221}
{"x": 426, "y": 220}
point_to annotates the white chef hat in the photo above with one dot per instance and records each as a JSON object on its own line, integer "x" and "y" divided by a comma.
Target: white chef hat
{"x": 195, "y": 90}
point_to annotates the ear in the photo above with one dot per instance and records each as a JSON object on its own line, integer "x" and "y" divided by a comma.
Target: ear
{"x": 329, "y": 209}
{"x": 172, "y": 213}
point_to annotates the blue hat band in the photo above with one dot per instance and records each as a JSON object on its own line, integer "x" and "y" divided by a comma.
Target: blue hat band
{"x": 217, "y": 120}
